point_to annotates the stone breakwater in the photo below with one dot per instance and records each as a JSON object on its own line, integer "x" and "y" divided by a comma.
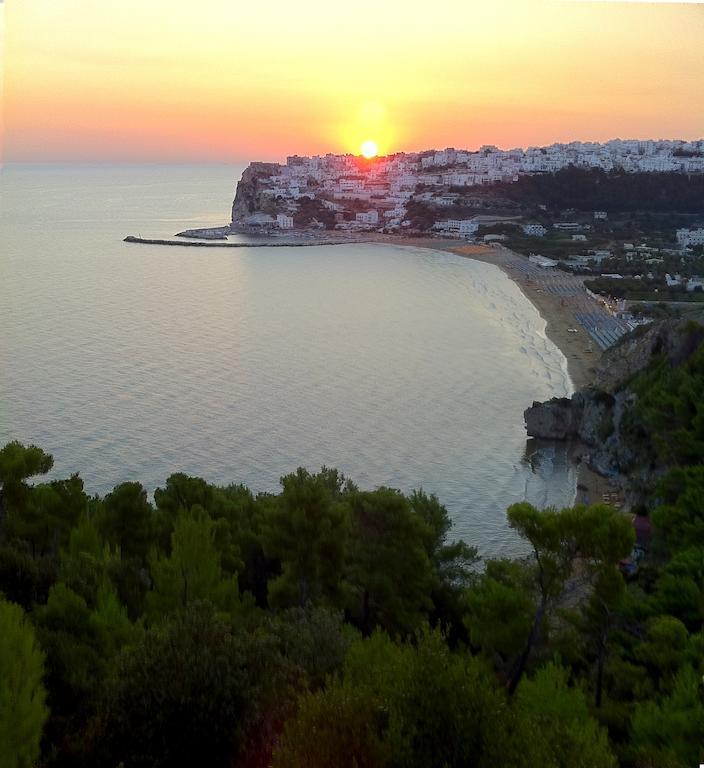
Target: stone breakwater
{"x": 190, "y": 243}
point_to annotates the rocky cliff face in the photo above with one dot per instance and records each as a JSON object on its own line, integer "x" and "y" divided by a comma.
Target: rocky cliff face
{"x": 675, "y": 339}
{"x": 248, "y": 198}
{"x": 591, "y": 417}
{"x": 557, "y": 419}
{"x": 586, "y": 416}
{"x": 598, "y": 416}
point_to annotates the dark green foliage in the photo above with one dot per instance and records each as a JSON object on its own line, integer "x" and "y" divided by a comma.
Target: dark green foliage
{"x": 340, "y": 627}
{"x": 310, "y": 211}
{"x": 192, "y": 571}
{"x": 305, "y": 529}
{"x": 680, "y": 517}
{"x": 554, "y": 728}
{"x": 46, "y": 515}
{"x": 680, "y": 587}
{"x": 17, "y": 464}
{"x": 671, "y": 734}
{"x": 22, "y": 696}
{"x": 182, "y": 493}
{"x": 76, "y": 664}
{"x": 598, "y": 535}
{"x": 314, "y": 640}
{"x": 390, "y": 572}
{"x": 126, "y": 520}
{"x": 671, "y": 405}
{"x": 500, "y": 610}
{"x": 339, "y": 727}
{"x": 25, "y": 579}
{"x": 181, "y": 697}
{"x": 398, "y": 705}
{"x": 594, "y": 189}
{"x": 453, "y": 562}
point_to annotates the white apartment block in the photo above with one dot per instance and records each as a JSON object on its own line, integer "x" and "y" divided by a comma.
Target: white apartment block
{"x": 368, "y": 217}
{"x": 283, "y": 221}
{"x": 461, "y": 227}
{"x": 690, "y": 236}
{"x": 534, "y": 230}
{"x": 468, "y": 227}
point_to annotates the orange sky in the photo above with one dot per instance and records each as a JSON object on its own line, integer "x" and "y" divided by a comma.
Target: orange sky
{"x": 233, "y": 80}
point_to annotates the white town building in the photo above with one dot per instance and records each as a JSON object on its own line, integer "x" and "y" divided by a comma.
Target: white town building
{"x": 283, "y": 221}
{"x": 368, "y": 217}
{"x": 534, "y": 230}
{"x": 690, "y": 236}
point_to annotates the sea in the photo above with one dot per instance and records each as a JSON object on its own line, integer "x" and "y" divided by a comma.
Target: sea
{"x": 401, "y": 366}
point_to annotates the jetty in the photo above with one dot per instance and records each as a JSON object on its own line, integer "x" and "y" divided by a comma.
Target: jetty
{"x": 219, "y": 244}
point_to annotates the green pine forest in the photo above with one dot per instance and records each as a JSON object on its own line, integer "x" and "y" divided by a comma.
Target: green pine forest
{"x": 328, "y": 626}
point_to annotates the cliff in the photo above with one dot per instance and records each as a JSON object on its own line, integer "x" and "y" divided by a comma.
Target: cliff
{"x": 604, "y": 417}
{"x": 248, "y": 196}
{"x": 258, "y": 201}
{"x": 676, "y": 340}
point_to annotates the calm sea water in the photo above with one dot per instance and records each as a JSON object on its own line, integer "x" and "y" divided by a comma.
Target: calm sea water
{"x": 400, "y": 366}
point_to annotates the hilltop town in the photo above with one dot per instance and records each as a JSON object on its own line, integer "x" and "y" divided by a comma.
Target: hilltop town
{"x": 349, "y": 192}
{"x": 627, "y": 214}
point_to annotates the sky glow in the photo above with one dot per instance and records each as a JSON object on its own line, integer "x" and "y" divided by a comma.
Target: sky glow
{"x": 228, "y": 80}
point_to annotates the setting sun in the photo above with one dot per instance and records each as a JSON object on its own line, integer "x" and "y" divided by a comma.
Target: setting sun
{"x": 369, "y": 149}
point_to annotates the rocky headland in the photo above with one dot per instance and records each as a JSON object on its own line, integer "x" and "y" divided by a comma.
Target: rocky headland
{"x": 249, "y": 197}
{"x": 603, "y": 417}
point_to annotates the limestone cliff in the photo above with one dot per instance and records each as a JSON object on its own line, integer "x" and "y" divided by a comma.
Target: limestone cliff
{"x": 675, "y": 339}
{"x": 604, "y": 417}
{"x": 248, "y": 196}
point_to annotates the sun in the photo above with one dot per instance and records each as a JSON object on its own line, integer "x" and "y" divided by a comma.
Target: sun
{"x": 369, "y": 149}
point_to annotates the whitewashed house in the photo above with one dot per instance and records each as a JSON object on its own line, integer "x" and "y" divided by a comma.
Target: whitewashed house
{"x": 534, "y": 230}
{"x": 690, "y": 236}
{"x": 368, "y": 217}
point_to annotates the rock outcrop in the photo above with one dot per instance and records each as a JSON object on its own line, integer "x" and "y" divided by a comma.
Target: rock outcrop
{"x": 205, "y": 233}
{"x": 556, "y": 419}
{"x": 590, "y": 417}
{"x": 601, "y": 416}
{"x": 585, "y": 416}
{"x": 248, "y": 197}
{"x": 674, "y": 339}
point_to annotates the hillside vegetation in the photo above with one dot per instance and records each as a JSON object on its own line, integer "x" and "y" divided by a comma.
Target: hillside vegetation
{"x": 331, "y": 626}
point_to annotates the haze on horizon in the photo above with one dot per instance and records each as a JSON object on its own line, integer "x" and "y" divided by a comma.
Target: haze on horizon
{"x": 224, "y": 80}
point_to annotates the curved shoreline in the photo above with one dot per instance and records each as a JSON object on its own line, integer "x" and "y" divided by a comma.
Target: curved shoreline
{"x": 557, "y": 314}
{"x": 577, "y": 348}
{"x": 579, "y": 354}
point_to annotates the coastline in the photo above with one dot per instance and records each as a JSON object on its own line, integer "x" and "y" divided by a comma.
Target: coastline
{"x": 558, "y": 314}
{"x": 556, "y": 297}
{"x": 576, "y": 347}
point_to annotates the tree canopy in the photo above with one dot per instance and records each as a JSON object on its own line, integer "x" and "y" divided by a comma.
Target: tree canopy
{"x": 326, "y": 625}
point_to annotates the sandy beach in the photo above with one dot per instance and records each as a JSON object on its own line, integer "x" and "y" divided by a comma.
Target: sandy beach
{"x": 557, "y": 296}
{"x": 538, "y": 285}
